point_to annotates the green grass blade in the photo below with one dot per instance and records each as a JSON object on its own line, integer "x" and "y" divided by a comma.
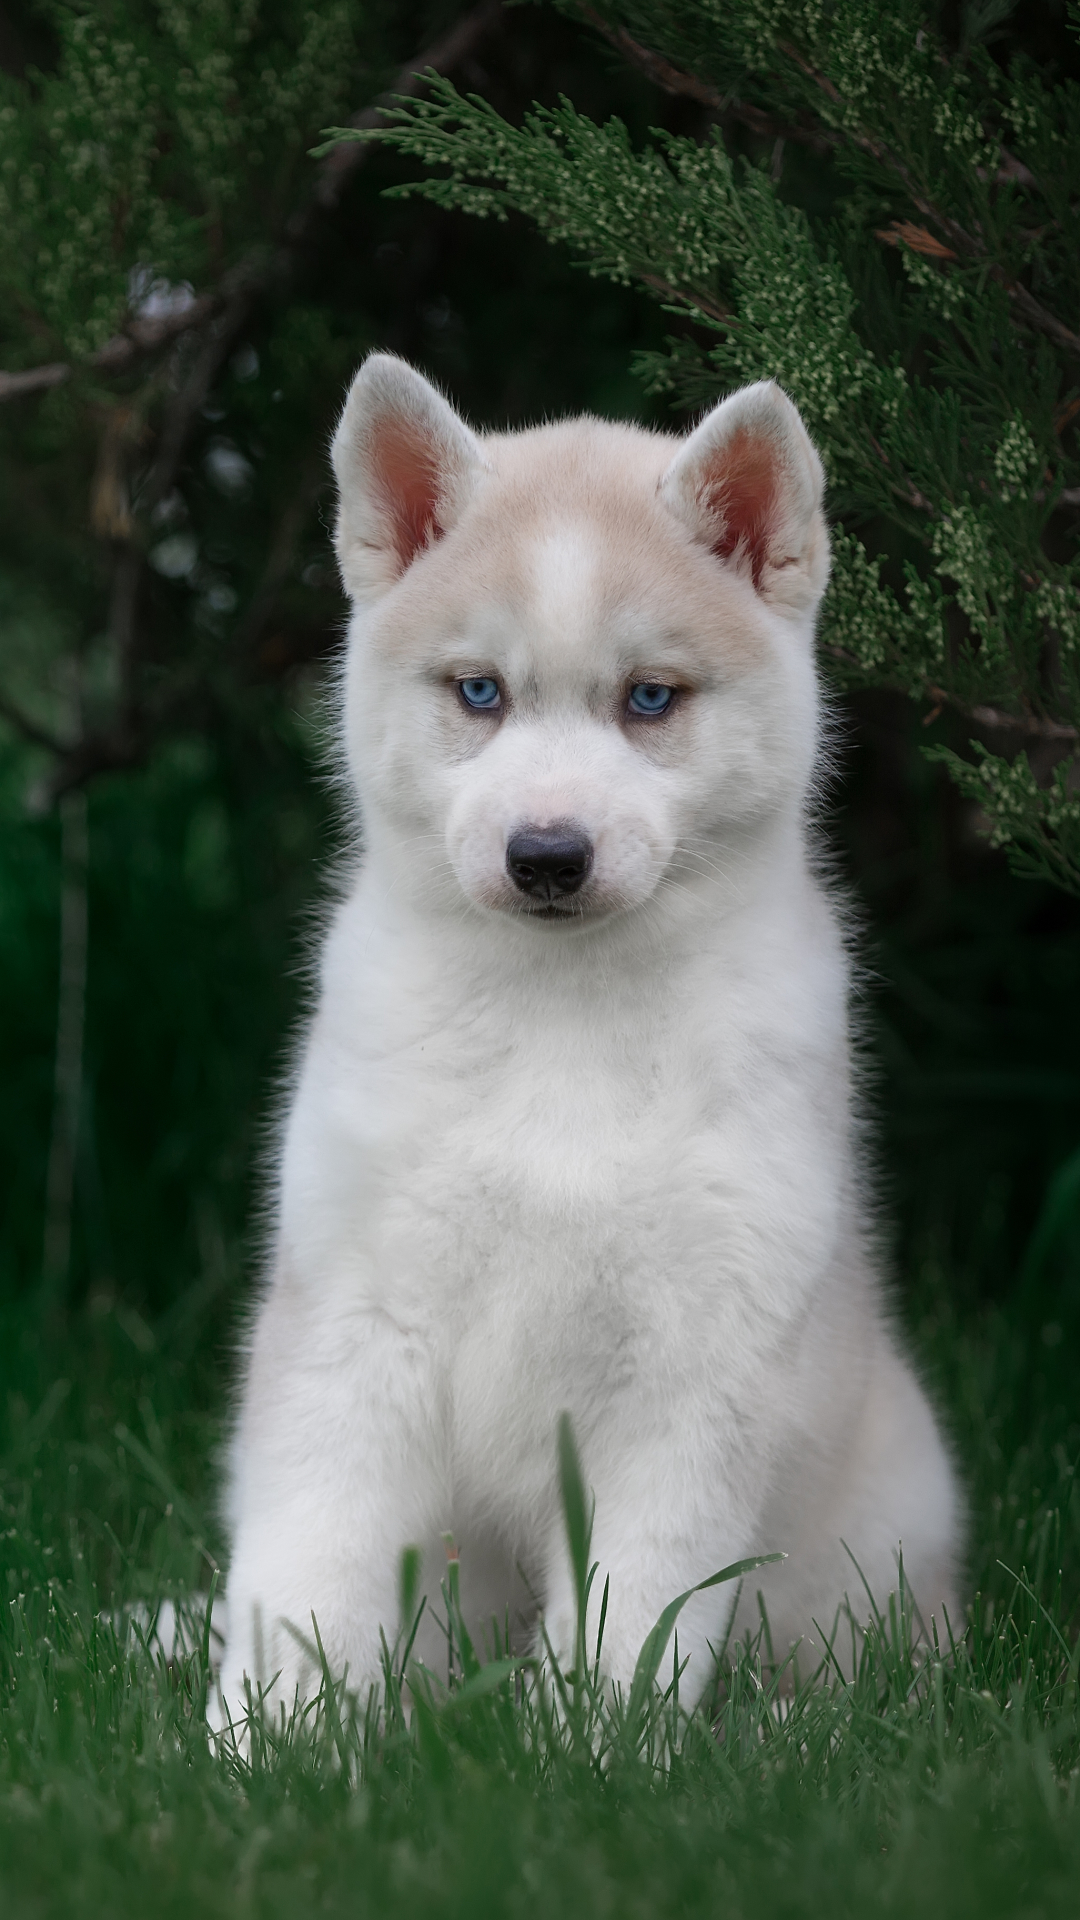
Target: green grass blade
{"x": 655, "y": 1643}
{"x": 577, "y": 1517}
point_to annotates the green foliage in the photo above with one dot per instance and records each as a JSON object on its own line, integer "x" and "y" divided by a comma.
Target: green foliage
{"x": 167, "y": 380}
{"x": 1033, "y": 822}
{"x": 200, "y": 866}
{"x": 910, "y": 278}
{"x": 146, "y": 152}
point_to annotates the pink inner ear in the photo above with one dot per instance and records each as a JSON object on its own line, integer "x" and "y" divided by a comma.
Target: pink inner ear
{"x": 740, "y": 494}
{"x": 407, "y": 475}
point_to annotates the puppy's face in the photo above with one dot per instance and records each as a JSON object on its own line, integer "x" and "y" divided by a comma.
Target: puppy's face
{"x": 561, "y": 698}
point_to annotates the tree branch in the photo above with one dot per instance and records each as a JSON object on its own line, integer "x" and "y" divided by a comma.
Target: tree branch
{"x": 1031, "y": 726}
{"x": 194, "y": 390}
{"x": 682, "y": 85}
{"x": 140, "y": 336}
{"x": 674, "y": 80}
{"x": 34, "y": 380}
{"x": 441, "y": 57}
{"x": 696, "y": 301}
{"x": 1038, "y": 317}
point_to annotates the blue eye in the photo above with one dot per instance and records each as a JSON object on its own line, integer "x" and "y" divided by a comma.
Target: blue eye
{"x": 649, "y": 699}
{"x": 481, "y": 693}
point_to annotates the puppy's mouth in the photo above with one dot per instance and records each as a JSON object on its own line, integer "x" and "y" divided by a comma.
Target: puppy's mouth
{"x": 555, "y": 910}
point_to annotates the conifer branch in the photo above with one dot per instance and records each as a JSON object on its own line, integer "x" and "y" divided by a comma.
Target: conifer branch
{"x": 679, "y": 83}
{"x": 695, "y": 302}
{"x": 682, "y": 85}
{"x": 141, "y": 336}
{"x": 1031, "y": 310}
{"x": 442, "y": 56}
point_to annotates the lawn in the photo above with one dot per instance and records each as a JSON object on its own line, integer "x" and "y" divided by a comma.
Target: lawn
{"x": 945, "y": 1788}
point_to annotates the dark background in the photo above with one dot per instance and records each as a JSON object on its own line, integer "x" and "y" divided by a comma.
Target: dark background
{"x": 208, "y": 857}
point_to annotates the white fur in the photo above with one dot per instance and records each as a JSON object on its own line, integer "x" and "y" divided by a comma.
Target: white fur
{"x": 606, "y": 1163}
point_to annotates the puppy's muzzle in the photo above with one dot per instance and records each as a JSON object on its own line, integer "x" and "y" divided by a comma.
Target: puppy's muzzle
{"x": 549, "y": 863}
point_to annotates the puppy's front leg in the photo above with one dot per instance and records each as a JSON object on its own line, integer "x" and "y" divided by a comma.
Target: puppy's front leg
{"x": 336, "y": 1471}
{"x": 663, "y": 1521}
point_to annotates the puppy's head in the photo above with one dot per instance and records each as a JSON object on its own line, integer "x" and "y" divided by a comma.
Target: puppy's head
{"x": 581, "y": 657}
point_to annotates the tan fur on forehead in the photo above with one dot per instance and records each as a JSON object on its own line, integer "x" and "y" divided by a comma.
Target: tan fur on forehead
{"x": 575, "y": 455}
{"x": 743, "y": 491}
{"x": 595, "y": 482}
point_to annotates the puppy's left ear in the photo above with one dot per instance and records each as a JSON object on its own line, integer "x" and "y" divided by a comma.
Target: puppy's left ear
{"x": 749, "y": 486}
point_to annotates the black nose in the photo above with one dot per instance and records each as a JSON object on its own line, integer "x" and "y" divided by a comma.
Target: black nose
{"x": 547, "y": 862}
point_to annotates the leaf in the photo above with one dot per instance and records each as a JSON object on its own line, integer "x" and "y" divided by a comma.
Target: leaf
{"x": 429, "y": 1739}
{"x": 578, "y": 1521}
{"x": 488, "y": 1680}
{"x": 655, "y": 1644}
{"x": 408, "y": 1585}
{"x": 162, "y": 1480}
{"x": 455, "y": 1619}
{"x": 1059, "y": 1210}
{"x": 918, "y": 239}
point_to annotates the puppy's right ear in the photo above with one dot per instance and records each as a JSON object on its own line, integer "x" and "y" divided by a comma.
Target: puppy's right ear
{"x": 405, "y": 464}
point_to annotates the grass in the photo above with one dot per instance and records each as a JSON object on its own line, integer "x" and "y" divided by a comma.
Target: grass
{"x": 947, "y": 1788}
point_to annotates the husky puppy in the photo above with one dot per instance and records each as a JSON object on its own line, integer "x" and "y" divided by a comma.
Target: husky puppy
{"x": 573, "y": 1126}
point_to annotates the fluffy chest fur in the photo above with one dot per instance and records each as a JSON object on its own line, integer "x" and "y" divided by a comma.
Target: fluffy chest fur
{"x": 560, "y": 1184}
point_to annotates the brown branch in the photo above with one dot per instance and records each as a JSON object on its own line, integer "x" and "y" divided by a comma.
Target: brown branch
{"x": 140, "y": 336}
{"x": 697, "y": 302}
{"x": 669, "y": 79}
{"x": 137, "y": 338}
{"x": 1037, "y": 316}
{"x": 1031, "y": 726}
{"x": 194, "y": 390}
{"x": 682, "y": 85}
{"x": 34, "y": 380}
{"x": 441, "y": 57}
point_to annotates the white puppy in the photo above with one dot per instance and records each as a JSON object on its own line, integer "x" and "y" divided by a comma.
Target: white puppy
{"x": 573, "y": 1126}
